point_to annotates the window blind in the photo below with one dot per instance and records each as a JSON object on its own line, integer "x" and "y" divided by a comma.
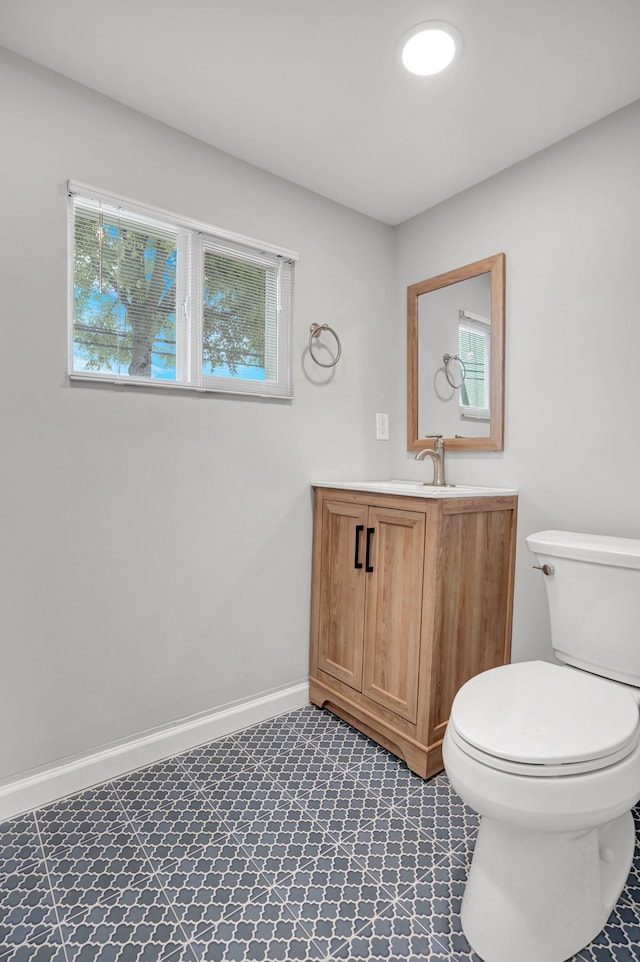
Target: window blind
{"x": 161, "y": 300}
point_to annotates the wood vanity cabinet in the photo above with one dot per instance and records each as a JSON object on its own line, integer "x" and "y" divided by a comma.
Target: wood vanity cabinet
{"x": 411, "y": 597}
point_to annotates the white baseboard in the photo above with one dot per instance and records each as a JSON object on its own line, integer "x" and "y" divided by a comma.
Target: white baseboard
{"x": 76, "y": 774}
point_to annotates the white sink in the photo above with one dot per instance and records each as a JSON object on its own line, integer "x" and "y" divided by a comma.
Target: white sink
{"x": 417, "y": 489}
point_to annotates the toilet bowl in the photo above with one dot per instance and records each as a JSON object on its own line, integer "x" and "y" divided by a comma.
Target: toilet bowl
{"x": 549, "y": 756}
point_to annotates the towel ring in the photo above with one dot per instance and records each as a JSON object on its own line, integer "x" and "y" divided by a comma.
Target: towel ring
{"x": 315, "y": 330}
{"x": 448, "y": 358}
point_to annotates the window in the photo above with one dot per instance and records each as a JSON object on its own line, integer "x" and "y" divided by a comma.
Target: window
{"x": 474, "y": 347}
{"x": 160, "y": 300}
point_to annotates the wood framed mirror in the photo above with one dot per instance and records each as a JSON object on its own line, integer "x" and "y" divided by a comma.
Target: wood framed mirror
{"x": 455, "y": 358}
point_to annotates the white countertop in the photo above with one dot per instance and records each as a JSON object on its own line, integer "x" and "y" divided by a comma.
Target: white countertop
{"x": 416, "y": 489}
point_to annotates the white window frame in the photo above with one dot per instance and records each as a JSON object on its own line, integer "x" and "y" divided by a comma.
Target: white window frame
{"x": 193, "y": 239}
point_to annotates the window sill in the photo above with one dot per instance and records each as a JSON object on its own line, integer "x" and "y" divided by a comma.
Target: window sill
{"x": 107, "y": 380}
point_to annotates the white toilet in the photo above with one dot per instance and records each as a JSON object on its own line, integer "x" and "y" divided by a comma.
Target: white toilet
{"x": 549, "y": 756}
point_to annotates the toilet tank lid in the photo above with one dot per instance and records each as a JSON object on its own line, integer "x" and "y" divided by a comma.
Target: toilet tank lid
{"x": 596, "y": 548}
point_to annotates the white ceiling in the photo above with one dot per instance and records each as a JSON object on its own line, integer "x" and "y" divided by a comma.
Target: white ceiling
{"x": 312, "y": 90}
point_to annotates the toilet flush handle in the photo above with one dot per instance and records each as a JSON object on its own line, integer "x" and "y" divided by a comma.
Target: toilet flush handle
{"x": 546, "y": 569}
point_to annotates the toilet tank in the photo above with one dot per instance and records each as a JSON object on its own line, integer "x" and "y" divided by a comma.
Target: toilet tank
{"x": 594, "y": 601}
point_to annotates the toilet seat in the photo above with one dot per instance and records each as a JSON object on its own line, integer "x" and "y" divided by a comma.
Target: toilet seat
{"x": 540, "y": 719}
{"x": 540, "y": 769}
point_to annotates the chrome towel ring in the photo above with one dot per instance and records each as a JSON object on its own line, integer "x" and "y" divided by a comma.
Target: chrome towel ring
{"x": 448, "y": 358}
{"x": 315, "y": 331}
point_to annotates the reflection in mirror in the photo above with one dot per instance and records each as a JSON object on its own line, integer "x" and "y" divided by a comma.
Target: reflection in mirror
{"x": 454, "y": 361}
{"x": 456, "y": 357}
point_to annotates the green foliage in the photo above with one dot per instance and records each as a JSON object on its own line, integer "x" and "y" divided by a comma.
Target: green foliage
{"x": 234, "y": 313}
{"x": 124, "y": 296}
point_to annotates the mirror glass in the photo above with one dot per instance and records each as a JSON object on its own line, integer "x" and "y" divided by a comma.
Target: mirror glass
{"x": 455, "y": 358}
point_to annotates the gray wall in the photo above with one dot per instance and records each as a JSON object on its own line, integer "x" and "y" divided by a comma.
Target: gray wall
{"x": 156, "y": 548}
{"x": 568, "y": 220}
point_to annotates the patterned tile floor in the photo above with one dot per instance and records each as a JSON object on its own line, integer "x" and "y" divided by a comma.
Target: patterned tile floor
{"x": 298, "y": 839}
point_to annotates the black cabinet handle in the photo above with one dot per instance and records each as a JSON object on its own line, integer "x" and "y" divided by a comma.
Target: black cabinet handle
{"x": 359, "y": 529}
{"x": 367, "y": 561}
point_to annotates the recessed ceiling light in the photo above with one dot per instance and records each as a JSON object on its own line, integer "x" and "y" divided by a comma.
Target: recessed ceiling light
{"x": 429, "y": 47}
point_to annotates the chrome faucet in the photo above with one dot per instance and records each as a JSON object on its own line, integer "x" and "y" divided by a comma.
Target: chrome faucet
{"x": 437, "y": 456}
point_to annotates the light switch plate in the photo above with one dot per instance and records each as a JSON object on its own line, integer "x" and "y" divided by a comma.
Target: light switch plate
{"x": 382, "y": 427}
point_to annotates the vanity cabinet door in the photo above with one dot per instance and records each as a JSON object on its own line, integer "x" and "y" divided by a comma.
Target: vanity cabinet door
{"x": 371, "y": 575}
{"x": 342, "y": 591}
{"x": 393, "y": 609}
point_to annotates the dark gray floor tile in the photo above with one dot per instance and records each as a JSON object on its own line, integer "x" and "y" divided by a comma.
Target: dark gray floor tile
{"x": 204, "y": 890}
{"x": 333, "y": 898}
{"x": 46, "y": 948}
{"x": 136, "y": 924}
{"x": 342, "y": 805}
{"x": 261, "y": 931}
{"x": 26, "y": 906}
{"x": 394, "y": 851}
{"x": 436, "y": 809}
{"x": 216, "y": 762}
{"x": 345, "y": 745}
{"x": 620, "y": 939}
{"x": 392, "y": 937}
{"x": 19, "y": 843}
{"x": 301, "y": 768}
{"x": 246, "y": 797}
{"x": 165, "y": 782}
{"x": 78, "y": 818}
{"x": 178, "y": 829}
{"x": 382, "y": 772}
{"x": 269, "y": 738}
{"x": 434, "y": 901}
{"x": 311, "y": 722}
{"x": 90, "y": 874}
{"x": 284, "y": 841}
